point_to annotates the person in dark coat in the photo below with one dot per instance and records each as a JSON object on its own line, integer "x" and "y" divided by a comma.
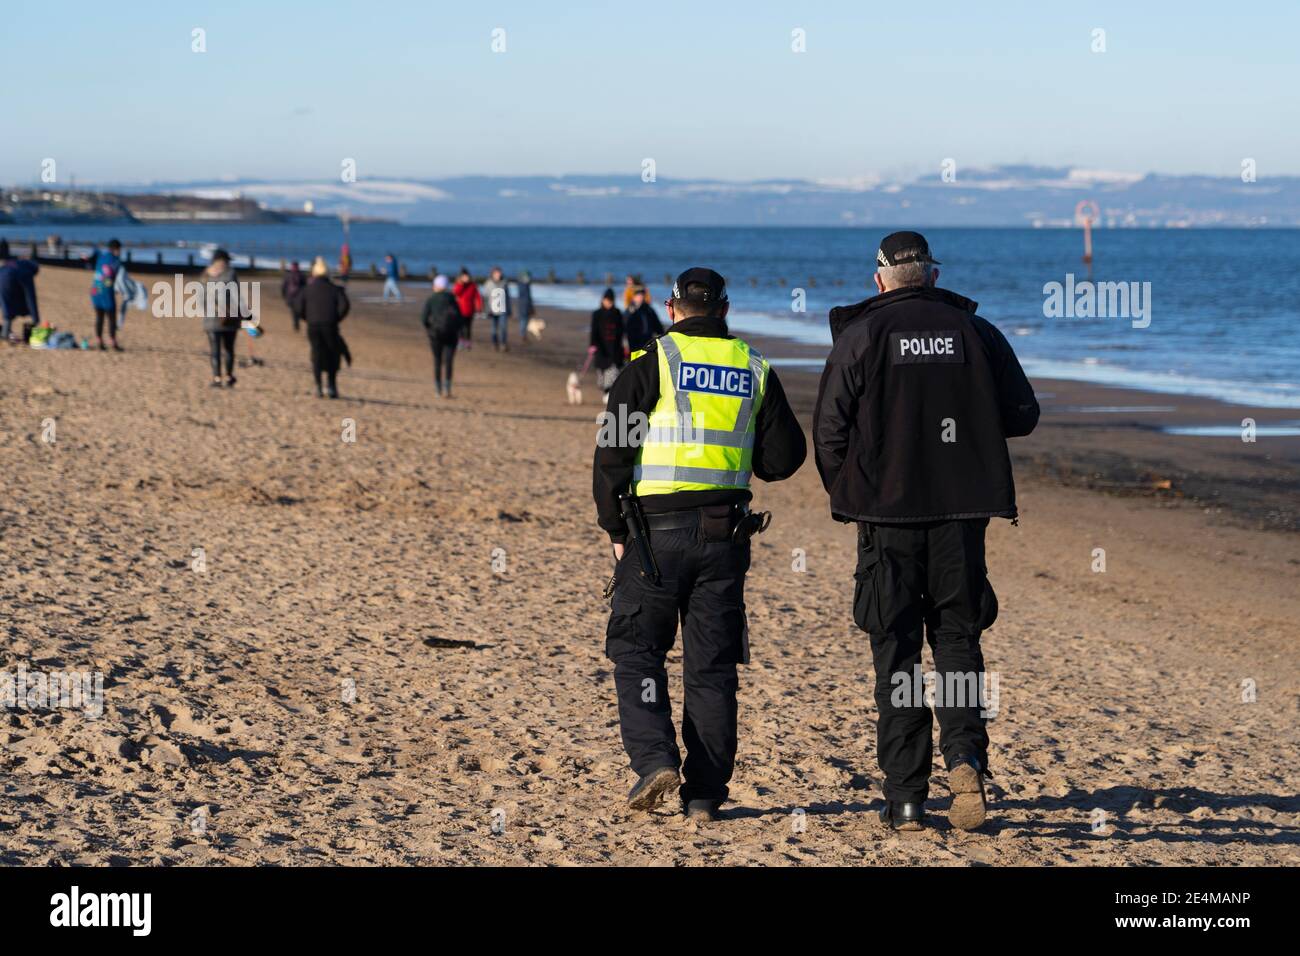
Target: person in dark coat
{"x": 17, "y": 291}
{"x": 524, "y": 303}
{"x": 917, "y": 400}
{"x": 442, "y": 320}
{"x": 641, "y": 323}
{"x": 323, "y": 305}
{"x": 293, "y": 281}
{"x": 607, "y": 347}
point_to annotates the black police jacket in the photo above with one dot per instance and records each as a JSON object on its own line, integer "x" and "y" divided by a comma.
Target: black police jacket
{"x": 779, "y": 446}
{"x": 916, "y": 402}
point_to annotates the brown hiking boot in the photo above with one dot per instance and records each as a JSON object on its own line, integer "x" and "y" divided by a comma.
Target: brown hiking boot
{"x": 969, "y": 807}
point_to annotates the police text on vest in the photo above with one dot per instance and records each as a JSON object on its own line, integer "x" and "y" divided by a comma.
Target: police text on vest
{"x": 716, "y": 379}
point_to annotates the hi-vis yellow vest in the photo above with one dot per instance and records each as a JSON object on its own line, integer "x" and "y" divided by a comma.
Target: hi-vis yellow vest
{"x": 700, "y": 435}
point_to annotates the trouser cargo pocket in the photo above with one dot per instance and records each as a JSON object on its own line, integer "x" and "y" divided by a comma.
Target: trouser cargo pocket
{"x": 988, "y": 605}
{"x": 621, "y": 632}
{"x": 866, "y": 595}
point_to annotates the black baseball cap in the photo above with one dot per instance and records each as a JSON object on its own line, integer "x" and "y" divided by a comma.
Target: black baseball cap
{"x": 715, "y": 287}
{"x": 900, "y": 247}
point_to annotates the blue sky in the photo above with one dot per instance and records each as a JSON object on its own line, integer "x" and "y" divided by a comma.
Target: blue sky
{"x": 113, "y": 93}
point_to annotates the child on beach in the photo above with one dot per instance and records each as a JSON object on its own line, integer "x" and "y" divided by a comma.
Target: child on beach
{"x": 105, "y": 265}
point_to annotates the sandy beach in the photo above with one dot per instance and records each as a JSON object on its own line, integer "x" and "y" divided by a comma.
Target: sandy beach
{"x": 390, "y": 650}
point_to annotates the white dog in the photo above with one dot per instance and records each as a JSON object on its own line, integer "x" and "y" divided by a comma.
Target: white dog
{"x": 574, "y": 389}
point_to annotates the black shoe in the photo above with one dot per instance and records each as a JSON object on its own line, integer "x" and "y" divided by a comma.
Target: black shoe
{"x": 230, "y": 381}
{"x": 650, "y": 789}
{"x": 333, "y": 393}
{"x": 903, "y": 816}
{"x": 969, "y": 806}
{"x": 701, "y": 811}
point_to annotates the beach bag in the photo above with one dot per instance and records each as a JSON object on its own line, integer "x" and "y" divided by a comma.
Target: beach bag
{"x": 61, "y": 340}
{"x": 40, "y": 335}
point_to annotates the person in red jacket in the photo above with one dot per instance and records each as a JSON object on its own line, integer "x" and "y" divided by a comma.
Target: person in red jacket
{"x": 470, "y": 301}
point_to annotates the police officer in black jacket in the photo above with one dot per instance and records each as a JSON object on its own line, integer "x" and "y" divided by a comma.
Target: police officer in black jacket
{"x": 916, "y": 402}
{"x": 716, "y": 414}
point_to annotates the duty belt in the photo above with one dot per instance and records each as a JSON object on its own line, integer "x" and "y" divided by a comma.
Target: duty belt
{"x": 690, "y": 518}
{"x": 744, "y": 522}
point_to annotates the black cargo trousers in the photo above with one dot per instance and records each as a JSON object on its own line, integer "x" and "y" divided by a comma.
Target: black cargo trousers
{"x": 703, "y": 586}
{"x": 925, "y": 580}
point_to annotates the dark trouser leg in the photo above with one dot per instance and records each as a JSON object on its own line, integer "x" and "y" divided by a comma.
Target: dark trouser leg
{"x": 228, "y": 341}
{"x": 436, "y": 348}
{"x": 449, "y": 358}
{"x": 713, "y": 643}
{"x": 640, "y": 633}
{"x": 214, "y": 353}
{"x": 889, "y": 605}
{"x": 317, "y": 353}
{"x": 104, "y": 317}
{"x": 961, "y": 605}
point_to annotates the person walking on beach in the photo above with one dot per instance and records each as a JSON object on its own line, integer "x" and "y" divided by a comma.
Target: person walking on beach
{"x": 222, "y": 313}
{"x": 917, "y": 400}
{"x": 105, "y": 265}
{"x": 17, "y": 292}
{"x": 607, "y": 349}
{"x": 524, "y": 303}
{"x": 391, "y": 274}
{"x": 496, "y": 293}
{"x": 717, "y": 415}
{"x": 292, "y": 282}
{"x": 641, "y": 323}
{"x": 345, "y": 263}
{"x": 470, "y": 302}
{"x": 630, "y": 285}
{"x": 441, "y": 319}
{"x": 323, "y": 305}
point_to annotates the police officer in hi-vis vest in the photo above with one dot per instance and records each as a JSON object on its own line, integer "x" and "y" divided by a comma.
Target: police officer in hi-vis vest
{"x": 688, "y": 423}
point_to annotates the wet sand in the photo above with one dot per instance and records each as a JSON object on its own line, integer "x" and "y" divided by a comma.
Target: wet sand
{"x": 393, "y": 652}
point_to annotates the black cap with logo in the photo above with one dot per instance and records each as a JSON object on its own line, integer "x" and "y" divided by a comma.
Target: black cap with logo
{"x": 700, "y": 285}
{"x": 900, "y": 247}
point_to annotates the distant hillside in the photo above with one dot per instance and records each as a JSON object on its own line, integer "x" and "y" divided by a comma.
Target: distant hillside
{"x": 73, "y": 206}
{"x": 998, "y": 196}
